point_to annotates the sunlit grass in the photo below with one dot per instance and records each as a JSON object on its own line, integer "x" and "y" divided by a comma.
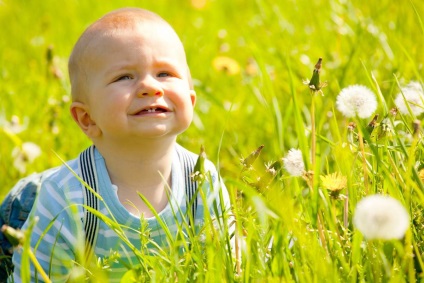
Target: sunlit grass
{"x": 292, "y": 230}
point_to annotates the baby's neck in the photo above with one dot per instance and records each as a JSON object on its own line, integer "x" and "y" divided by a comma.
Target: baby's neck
{"x": 146, "y": 171}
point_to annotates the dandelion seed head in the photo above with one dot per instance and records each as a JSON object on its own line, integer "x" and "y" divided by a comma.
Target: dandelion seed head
{"x": 293, "y": 162}
{"x": 356, "y": 100}
{"x": 66, "y": 98}
{"x": 25, "y": 155}
{"x": 14, "y": 126}
{"x": 381, "y": 217}
{"x": 414, "y": 96}
{"x": 222, "y": 33}
{"x": 225, "y": 47}
{"x": 305, "y": 59}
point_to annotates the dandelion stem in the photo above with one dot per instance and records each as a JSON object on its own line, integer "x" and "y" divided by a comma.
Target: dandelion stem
{"x": 419, "y": 259}
{"x": 313, "y": 152}
{"x": 321, "y": 233}
{"x": 237, "y": 203}
{"x": 238, "y": 253}
{"x": 374, "y": 262}
{"x": 346, "y": 209}
{"x": 410, "y": 164}
{"x": 364, "y": 161}
{"x": 313, "y": 138}
{"x": 318, "y": 86}
{"x": 408, "y": 256}
{"x": 312, "y": 177}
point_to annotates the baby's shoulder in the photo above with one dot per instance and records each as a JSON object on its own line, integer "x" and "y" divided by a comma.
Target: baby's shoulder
{"x": 64, "y": 176}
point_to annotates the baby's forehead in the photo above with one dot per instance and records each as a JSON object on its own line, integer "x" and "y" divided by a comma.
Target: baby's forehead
{"x": 128, "y": 18}
{"x": 124, "y": 22}
{"x": 115, "y": 24}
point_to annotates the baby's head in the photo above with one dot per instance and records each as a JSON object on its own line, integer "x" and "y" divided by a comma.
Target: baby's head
{"x": 112, "y": 23}
{"x": 130, "y": 79}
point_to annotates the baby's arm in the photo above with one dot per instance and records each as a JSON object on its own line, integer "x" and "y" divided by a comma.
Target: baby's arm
{"x": 55, "y": 235}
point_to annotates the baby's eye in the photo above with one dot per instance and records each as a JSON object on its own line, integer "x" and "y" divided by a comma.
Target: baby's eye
{"x": 123, "y": 78}
{"x": 164, "y": 74}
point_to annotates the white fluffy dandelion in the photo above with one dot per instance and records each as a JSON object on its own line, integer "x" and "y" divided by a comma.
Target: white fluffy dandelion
{"x": 356, "y": 100}
{"x": 293, "y": 162}
{"x": 24, "y": 155}
{"x": 13, "y": 126}
{"x": 381, "y": 217}
{"x": 414, "y": 95}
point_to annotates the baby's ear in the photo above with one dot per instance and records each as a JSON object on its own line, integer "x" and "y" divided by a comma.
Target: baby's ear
{"x": 81, "y": 115}
{"x": 193, "y": 97}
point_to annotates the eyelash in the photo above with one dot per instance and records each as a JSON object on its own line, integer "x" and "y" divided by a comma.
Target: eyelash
{"x": 167, "y": 74}
{"x": 159, "y": 75}
{"x": 125, "y": 77}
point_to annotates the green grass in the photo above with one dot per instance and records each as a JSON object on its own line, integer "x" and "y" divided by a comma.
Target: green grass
{"x": 235, "y": 114}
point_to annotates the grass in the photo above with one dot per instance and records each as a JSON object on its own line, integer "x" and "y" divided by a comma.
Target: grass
{"x": 293, "y": 231}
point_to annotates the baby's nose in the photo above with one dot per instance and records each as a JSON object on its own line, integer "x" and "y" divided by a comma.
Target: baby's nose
{"x": 150, "y": 93}
{"x": 149, "y": 87}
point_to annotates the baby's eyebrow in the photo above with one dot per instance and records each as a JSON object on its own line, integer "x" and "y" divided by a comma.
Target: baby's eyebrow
{"x": 174, "y": 65}
{"x": 116, "y": 68}
{"x": 166, "y": 61}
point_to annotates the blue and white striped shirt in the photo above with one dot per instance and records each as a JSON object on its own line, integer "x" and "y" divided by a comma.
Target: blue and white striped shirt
{"x": 58, "y": 236}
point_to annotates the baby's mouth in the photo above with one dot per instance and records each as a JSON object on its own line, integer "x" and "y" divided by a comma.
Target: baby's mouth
{"x": 153, "y": 110}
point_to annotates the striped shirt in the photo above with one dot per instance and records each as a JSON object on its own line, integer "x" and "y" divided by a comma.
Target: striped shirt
{"x": 59, "y": 236}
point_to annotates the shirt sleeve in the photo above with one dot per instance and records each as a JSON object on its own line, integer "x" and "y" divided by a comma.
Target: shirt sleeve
{"x": 56, "y": 238}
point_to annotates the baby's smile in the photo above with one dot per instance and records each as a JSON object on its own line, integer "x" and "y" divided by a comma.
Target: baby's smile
{"x": 152, "y": 110}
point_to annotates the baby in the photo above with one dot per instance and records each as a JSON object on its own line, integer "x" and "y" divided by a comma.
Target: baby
{"x": 131, "y": 95}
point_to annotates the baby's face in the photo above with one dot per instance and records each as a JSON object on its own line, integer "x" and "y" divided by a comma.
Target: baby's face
{"x": 138, "y": 85}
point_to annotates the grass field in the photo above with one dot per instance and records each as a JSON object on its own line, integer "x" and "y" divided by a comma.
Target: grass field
{"x": 249, "y": 61}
